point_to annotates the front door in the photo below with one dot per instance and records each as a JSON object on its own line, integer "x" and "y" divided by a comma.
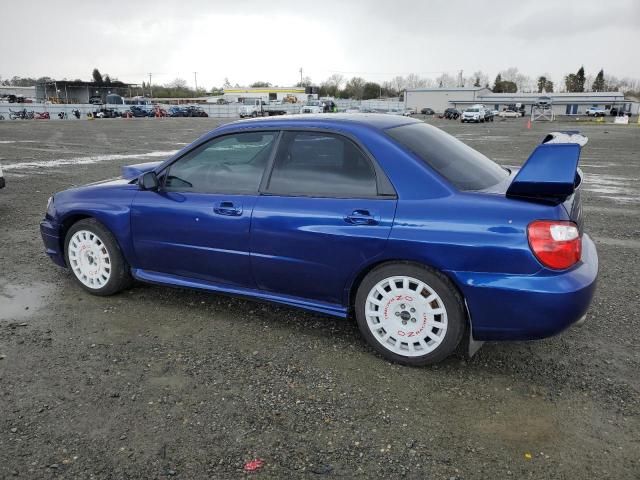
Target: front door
{"x": 321, "y": 217}
{"x": 197, "y": 224}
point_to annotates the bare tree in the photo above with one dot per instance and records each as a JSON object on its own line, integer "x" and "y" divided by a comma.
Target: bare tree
{"x": 398, "y": 84}
{"x": 446, "y": 81}
{"x": 414, "y": 81}
{"x": 336, "y": 80}
{"x": 478, "y": 79}
{"x": 178, "y": 83}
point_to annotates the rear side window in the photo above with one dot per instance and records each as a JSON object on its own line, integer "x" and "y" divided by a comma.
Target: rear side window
{"x": 321, "y": 165}
{"x": 466, "y": 168}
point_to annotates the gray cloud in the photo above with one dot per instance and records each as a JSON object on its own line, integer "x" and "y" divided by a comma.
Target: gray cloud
{"x": 247, "y": 40}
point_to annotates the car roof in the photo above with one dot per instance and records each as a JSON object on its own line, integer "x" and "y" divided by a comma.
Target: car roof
{"x": 378, "y": 121}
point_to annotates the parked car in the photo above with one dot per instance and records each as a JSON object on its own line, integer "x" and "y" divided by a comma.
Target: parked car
{"x": 177, "y": 112}
{"x": 140, "y": 111}
{"x": 409, "y": 111}
{"x": 517, "y": 107}
{"x": 96, "y": 100}
{"x": 426, "y": 241}
{"x": 596, "y": 112}
{"x": 193, "y": 111}
{"x": 106, "y": 113}
{"x": 509, "y": 114}
{"x": 451, "y": 114}
{"x": 488, "y": 115}
{"x": 473, "y": 114}
{"x": 312, "y": 106}
{"x": 427, "y": 111}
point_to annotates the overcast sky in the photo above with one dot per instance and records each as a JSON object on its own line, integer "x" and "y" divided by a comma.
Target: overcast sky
{"x": 248, "y": 40}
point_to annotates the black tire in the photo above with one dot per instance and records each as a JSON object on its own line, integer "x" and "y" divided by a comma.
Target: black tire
{"x": 440, "y": 284}
{"x": 120, "y": 276}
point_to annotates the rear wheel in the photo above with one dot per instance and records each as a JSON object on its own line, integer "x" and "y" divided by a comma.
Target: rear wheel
{"x": 410, "y": 314}
{"x": 94, "y": 257}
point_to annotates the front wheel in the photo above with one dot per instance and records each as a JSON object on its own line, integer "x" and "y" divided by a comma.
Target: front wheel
{"x": 93, "y": 255}
{"x": 410, "y": 314}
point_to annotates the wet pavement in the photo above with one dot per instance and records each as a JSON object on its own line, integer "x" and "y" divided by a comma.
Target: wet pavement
{"x": 169, "y": 383}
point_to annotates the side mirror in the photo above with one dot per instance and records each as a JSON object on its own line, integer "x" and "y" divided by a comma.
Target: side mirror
{"x": 148, "y": 181}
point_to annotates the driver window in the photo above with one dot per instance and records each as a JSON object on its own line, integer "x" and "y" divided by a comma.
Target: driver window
{"x": 230, "y": 164}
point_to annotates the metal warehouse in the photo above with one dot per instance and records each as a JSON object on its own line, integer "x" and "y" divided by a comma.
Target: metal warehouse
{"x": 562, "y": 103}
{"x": 300, "y": 94}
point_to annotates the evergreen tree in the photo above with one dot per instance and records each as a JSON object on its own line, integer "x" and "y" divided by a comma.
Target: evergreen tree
{"x": 580, "y": 79}
{"x": 497, "y": 84}
{"x": 97, "y": 76}
{"x": 598, "y": 83}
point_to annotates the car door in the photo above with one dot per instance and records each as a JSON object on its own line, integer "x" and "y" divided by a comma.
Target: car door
{"x": 326, "y": 210}
{"x": 197, "y": 224}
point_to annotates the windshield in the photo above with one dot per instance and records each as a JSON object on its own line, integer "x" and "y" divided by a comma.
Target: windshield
{"x": 473, "y": 110}
{"x": 466, "y": 168}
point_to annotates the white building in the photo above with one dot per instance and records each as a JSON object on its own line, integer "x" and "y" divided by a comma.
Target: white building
{"x": 562, "y": 103}
{"x": 268, "y": 94}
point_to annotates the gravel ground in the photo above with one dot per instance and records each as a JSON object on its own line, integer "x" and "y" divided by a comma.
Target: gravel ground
{"x": 160, "y": 383}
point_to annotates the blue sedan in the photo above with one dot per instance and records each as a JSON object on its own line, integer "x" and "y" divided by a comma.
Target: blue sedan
{"x": 425, "y": 241}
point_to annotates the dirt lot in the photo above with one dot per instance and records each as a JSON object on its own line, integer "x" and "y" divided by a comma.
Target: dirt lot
{"x": 158, "y": 382}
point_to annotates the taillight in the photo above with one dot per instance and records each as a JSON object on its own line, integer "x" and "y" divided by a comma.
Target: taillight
{"x": 557, "y": 244}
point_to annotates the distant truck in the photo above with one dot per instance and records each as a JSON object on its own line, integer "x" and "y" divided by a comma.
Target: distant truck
{"x": 260, "y": 108}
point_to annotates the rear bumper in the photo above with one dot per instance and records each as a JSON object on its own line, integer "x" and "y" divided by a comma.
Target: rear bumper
{"x": 529, "y": 307}
{"x": 52, "y": 244}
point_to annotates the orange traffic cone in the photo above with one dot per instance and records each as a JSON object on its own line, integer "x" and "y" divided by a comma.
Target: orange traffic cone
{"x": 529, "y": 123}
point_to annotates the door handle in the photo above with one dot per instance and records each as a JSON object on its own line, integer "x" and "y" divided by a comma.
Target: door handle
{"x": 228, "y": 208}
{"x": 361, "y": 217}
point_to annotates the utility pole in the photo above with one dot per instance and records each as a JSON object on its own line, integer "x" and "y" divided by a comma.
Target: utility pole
{"x": 195, "y": 79}
{"x": 460, "y": 79}
{"x": 150, "y": 87}
{"x": 300, "y": 76}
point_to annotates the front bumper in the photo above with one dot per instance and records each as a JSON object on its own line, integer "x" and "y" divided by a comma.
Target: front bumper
{"x": 529, "y": 307}
{"x": 52, "y": 244}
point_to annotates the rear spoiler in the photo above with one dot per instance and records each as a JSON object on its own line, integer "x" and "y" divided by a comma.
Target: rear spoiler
{"x": 551, "y": 171}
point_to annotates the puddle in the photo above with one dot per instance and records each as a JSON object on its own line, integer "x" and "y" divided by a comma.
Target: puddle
{"x": 85, "y": 160}
{"x": 21, "y": 301}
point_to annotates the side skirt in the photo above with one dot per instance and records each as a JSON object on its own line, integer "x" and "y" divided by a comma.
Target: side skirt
{"x": 185, "y": 282}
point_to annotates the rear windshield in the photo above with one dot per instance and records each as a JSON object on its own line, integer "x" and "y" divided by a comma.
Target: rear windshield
{"x": 466, "y": 168}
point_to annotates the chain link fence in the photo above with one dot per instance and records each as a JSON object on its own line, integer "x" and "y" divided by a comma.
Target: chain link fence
{"x": 230, "y": 110}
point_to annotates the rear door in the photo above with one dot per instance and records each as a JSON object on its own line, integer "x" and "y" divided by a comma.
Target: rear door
{"x": 325, "y": 212}
{"x": 197, "y": 224}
